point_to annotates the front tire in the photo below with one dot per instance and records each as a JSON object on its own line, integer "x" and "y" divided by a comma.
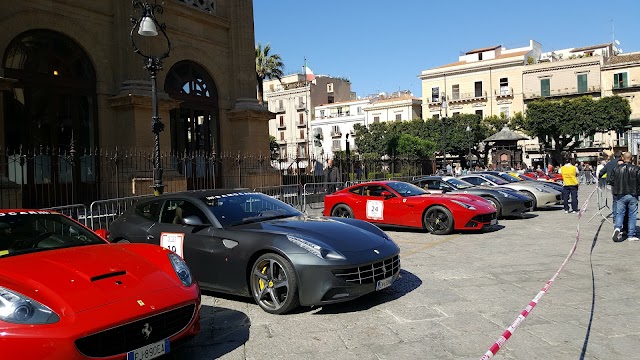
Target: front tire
{"x": 342, "y": 210}
{"x": 438, "y": 220}
{"x": 274, "y": 285}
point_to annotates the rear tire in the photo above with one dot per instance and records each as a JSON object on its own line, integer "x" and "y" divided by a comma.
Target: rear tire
{"x": 530, "y": 195}
{"x": 342, "y": 210}
{"x": 438, "y": 220}
{"x": 496, "y": 204}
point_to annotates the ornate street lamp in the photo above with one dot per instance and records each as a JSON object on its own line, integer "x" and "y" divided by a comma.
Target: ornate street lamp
{"x": 148, "y": 25}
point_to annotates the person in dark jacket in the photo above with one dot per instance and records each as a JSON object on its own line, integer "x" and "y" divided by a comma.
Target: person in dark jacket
{"x": 605, "y": 172}
{"x": 331, "y": 176}
{"x": 625, "y": 186}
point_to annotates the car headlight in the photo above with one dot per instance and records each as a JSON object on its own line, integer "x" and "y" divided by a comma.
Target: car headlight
{"x": 19, "y": 309}
{"x": 316, "y": 250}
{"x": 507, "y": 195}
{"x": 543, "y": 190}
{"x": 464, "y": 205}
{"x": 181, "y": 269}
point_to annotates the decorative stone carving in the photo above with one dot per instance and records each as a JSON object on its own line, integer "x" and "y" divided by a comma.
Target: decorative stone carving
{"x": 208, "y": 6}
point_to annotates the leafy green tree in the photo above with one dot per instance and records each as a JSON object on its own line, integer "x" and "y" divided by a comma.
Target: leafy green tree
{"x": 268, "y": 66}
{"x": 412, "y": 145}
{"x": 558, "y": 124}
{"x": 273, "y": 146}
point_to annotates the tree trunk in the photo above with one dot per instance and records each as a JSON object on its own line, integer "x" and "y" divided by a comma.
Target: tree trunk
{"x": 260, "y": 91}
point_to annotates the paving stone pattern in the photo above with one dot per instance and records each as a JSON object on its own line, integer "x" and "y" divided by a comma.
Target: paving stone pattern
{"x": 456, "y": 295}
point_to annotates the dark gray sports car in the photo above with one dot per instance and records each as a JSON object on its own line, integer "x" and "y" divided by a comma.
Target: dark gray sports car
{"x": 250, "y": 244}
{"x": 506, "y": 201}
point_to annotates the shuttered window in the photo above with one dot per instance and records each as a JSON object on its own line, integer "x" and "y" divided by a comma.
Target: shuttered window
{"x": 545, "y": 87}
{"x": 582, "y": 83}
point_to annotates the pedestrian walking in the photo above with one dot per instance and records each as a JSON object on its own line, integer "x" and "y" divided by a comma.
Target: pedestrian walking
{"x": 570, "y": 189}
{"x": 625, "y": 184}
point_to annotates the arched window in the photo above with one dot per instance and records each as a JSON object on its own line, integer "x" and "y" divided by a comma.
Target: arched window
{"x": 195, "y": 125}
{"x": 54, "y": 102}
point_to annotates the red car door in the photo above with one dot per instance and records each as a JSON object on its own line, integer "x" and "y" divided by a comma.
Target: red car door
{"x": 373, "y": 204}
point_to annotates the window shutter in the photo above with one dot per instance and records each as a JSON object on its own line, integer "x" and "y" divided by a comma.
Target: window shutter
{"x": 624, "y": 80}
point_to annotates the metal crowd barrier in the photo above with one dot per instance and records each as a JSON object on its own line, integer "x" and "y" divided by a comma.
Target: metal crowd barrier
{"x": 314, "y": 193}
{"x": 290, "y": 194}
{"x": 103, "y": 212}
{"x": 77, "y": 212}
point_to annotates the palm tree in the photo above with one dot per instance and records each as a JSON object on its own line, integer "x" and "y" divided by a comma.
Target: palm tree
{"x": 267, "y": 67}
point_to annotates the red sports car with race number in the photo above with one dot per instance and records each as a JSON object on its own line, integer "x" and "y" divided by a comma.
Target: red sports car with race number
{"x": 398, "y": 203}
{"x": 66, "y": 293}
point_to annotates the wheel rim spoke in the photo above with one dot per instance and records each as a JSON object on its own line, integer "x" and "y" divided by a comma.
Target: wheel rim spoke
{"x": 283, "y": 283}
{"x": 264, "y": 290}
{"x": 272, "y": 265}
{"x": 274, "y": 298}
{"x": 260, "y": 275}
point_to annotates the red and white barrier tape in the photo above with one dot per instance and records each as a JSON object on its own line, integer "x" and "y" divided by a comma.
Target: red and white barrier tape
{"x": 523, "y": 315}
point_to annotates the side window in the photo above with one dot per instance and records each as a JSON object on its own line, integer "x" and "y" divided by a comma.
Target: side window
{"x": 374, "y": 190}
{"x": 149, "y": 211}
{"x": 474, "y": 180}
{"x": 356, "y": 190}
{"x": 174, "y": 211}
{"x": 433, "y": 185}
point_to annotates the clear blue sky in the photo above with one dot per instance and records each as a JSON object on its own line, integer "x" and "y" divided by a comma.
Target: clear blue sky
{"x": 384, "y": 45}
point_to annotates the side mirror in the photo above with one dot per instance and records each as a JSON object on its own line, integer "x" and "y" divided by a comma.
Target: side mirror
{"x": 386, "y": 194}
{"x": 103, "y": 233}
{"x": 445, "y": 189}
{"x": 192, "y": 221}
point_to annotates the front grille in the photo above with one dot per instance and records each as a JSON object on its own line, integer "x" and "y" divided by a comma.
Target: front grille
{"x": 484, "y": 217}
{"x": 370, "y": 273}
{"x": 124, "y": 338}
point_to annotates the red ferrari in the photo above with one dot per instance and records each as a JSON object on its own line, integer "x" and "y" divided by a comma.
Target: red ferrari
{"x": 66, "y": 293}
{"x": 402, "y": 204}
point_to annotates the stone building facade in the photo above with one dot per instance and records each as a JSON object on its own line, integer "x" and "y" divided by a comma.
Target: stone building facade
{"x": 71, "y": 81}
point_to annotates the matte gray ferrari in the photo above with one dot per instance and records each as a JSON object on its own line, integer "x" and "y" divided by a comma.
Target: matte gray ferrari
{"x": 250, "y": 244}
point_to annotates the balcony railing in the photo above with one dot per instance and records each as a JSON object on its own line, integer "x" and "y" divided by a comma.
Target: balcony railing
{"x": 467, "y": 96}
{"x": 616, "y": 87}
{"x": 301, "y": 106}
{"x": 621, "y": 142}
{"x": 562, "y": 92}
{"x": 508, "y": 92}
{"x": 302, "y": 123}
{"x": 336, "y": 133}
{"x": 278, "y": 109}
{"x": 282, "y": 126}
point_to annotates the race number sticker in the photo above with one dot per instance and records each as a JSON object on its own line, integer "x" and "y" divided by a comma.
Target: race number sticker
{"x": 173, "y": 242}
{"x": 375, "y": 210}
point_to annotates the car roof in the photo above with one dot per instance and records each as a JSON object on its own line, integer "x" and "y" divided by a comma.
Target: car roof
{"x": 198, "y": 194}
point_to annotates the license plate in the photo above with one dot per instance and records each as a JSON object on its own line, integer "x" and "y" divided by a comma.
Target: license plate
{"x": 494, "y": 222}
{"x": 384, "y": 283}
{"x": 150, "y": 351}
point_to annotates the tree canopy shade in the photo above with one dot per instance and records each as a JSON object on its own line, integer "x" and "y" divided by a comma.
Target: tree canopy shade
{"x": 562, "y": 122}
{"x": 268, "y": 66}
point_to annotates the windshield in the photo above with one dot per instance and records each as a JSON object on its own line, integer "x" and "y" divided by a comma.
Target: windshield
{"x": 509, "y": 178}
{"x": 406, "y": 189}
{"x": 244, "y": 208}
{"x": 495, "y": 179}
{"x": 29, "y": 231}
{"x": 459, "y": 184}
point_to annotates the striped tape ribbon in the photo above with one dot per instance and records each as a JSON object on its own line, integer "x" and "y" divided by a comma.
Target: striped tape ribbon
{"x": 523, "y": 315}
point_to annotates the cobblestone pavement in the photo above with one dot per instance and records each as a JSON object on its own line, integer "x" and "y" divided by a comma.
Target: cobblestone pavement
{"x": 455, "y": 297}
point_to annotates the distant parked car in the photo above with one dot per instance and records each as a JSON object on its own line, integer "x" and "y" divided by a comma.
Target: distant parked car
{"x": 541, "y": 195}
{"x": 506, "y": 201}
{"x": 396, "y": 203}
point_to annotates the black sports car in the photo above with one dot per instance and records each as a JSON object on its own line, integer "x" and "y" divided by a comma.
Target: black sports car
{"x": 250, "y": 244}
{"x": 506, "y": 201}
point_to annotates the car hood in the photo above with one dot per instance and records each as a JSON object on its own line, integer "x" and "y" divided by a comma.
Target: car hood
{"x": 76, "y": 279}
{"x": 333, "y": 233}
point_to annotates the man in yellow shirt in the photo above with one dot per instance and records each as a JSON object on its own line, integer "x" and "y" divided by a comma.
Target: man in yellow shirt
{"x": 570, "y": 178}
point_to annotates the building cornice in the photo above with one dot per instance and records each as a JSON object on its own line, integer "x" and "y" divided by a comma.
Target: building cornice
{"x": 561, "y": 67}
{"x": 471, "y": 70}
{"x": 621, "y": 66}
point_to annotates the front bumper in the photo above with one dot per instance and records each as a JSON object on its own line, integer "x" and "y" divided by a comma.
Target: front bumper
{"x": 515, "y": 207}
{"x": 321, "y": 283}
{"x": 480, "y": 221}
{"x": 548, "y": 199}
{"x": 58, "y": 341}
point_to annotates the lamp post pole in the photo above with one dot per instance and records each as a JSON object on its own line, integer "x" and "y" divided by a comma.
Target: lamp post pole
{"x": 148, "y": 25}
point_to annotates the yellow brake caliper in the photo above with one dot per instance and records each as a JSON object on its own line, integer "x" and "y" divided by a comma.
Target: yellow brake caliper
{"x": 261, "y": 282}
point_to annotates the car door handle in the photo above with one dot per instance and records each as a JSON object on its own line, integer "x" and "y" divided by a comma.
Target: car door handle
{"x": 150, "y": 237}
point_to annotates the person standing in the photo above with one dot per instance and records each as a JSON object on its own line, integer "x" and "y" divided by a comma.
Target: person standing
{"x": 449, "y": 169}
{"x": 570, "y": 189}
{"x": 605, "y": 173}
{"x": 331, "y": 177}
{"x": 601, "y": 182}
{"x": 625, "y": 183}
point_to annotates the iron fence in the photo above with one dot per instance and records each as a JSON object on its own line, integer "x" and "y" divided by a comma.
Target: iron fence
{"x": 49, "y": 178}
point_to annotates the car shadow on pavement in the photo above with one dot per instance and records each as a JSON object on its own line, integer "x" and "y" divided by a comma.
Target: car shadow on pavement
{"x": 222, "y": 330}
{"x": 406, "y": 283}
